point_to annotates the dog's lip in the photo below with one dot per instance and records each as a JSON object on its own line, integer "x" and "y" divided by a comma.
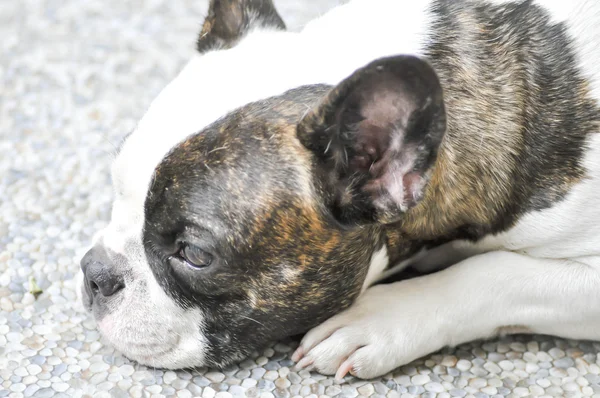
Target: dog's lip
{"x": 137, "y": 350}
{"x": 149, "y": 359}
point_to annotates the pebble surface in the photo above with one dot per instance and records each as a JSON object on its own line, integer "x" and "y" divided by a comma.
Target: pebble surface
{"x": 76, "y": 77}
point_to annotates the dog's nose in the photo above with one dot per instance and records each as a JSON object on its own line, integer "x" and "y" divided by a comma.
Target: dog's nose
{"x": 99, "y": 275}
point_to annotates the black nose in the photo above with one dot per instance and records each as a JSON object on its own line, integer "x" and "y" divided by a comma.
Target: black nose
{"x": 100, "y": 275}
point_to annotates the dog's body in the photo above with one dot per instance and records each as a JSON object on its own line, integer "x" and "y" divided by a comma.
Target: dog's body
{"x": 242, "y": 206}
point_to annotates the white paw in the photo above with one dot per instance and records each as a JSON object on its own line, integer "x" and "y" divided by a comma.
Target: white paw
{"x": 388, "y": 326}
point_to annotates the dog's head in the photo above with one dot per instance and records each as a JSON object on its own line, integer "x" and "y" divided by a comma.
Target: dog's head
{"x": 246, "y": 211}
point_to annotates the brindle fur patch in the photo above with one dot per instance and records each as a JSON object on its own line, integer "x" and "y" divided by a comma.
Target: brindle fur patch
{"x": 242, "y": 190}
{"x": 228, "y": 21}
{"x": 519, "y": 114}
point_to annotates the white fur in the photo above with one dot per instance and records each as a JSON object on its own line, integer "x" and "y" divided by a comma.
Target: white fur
{"x": 391, "y": 325}
{"x": 542, "y": 275}
{"x": 379, "y": 261}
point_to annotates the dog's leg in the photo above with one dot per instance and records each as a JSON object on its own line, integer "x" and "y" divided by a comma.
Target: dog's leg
{"x": 480, "y": 297}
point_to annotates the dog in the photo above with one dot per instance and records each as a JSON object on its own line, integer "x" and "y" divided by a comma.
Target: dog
{"x": 281, "y": 174}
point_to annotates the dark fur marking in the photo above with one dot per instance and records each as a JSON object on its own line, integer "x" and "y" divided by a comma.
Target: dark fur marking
{"x": 282, "y": 259}
{"x": 229, "y": 20}
{"x": 519, "y": 114}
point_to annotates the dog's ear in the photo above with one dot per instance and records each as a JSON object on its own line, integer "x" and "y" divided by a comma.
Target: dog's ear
{"x": 229, "y": 20}
{"x": 375, "y": 138}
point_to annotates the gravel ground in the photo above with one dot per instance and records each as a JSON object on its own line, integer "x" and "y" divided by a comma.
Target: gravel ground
{"x": 76, "y": 76}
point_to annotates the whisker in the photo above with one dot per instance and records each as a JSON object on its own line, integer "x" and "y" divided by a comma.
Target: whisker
{"x": 252, "y": 319}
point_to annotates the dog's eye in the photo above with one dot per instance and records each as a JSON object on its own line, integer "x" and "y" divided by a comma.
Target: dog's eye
{"x": 195, "y": 257}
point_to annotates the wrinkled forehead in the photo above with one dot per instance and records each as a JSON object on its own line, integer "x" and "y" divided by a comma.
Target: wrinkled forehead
{"x": 208, "y": 88}
{"x": 245, "y": 166}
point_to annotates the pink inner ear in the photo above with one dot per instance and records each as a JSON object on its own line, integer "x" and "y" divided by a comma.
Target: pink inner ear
{"x": 413, "y": 188}
{"x": 394, "y": 181}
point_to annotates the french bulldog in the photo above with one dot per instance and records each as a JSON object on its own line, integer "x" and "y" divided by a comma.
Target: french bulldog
{"x": 281, "y": 174}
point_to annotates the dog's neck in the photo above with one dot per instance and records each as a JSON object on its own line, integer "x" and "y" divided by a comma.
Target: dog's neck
{"x": 518, "y": 114}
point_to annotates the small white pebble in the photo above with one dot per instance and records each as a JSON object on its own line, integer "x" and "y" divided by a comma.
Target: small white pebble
{"x": 492, "y": 367}
{"x": 556, "y": 353}
{"x": 420, "y": 379}
{"x": 520, "y": 391}
{"x": 449, "y": 361}
{"x": 582, "y": 381}
{"x": 248, "y": 383}
{"x": 506, "y": 365}
{"x": 261, "y": 361}
{"x": 477, "y": 383}
{"x": 126, "y": 370}
{"x": 544, "y": 357}
{"x": 536, "y": 390}
{"x": 60, "y": 387}
{"x": 18, "y": 387}
{"x": 544, "y": 383}
{"x": 434, "y": 387}
{"x": 518, "y": 347}
{"x": 495, "y": 382}
{"x": 572, "y": 387}
{"x": 169, "y": 377}
{"x": 154, "y": 389}
{"x": 587, "y": 391}
{"x": 463, "y": 365}
{"x": 366, "y": 390}
{"x": 21, "y": 371}
{"x": 403, "y": 380}
{"x": 34, "y": 369}
{"x": 531, "y": 367}
{"x": 98, "y": 367}
{"x": 215, "y": 377}
{"x": 208, "y": 392}
{"x": 533, "y": 346}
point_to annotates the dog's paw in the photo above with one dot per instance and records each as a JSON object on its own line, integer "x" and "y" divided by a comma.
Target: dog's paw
{"x": 388, "y": 326}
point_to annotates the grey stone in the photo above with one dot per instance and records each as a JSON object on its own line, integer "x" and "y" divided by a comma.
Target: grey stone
{"x": 219, "y": 386}
{"x": 45, "y": 393}
{"x": 592, "y": 378}
{"x": 455, "y": 392}
{"x": 294, "y": 378}
{"x": 119, "y": 393}
{"x": 453, "y": 372}
{"x": 281, "y": 393}
{"x": 380, "y": 388}
{"x": 252, "y": 392}
{"x": 201, "y": 381}
{"x": 30, "y": 390}
{"x": 38, "y": 359}
{"x": 266, "y": 385}
{"x": 272, "y": 366}
{"x": 416, "y": 390}
{"x": 59, "y": 369}
{"x": 564, "y": 363}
